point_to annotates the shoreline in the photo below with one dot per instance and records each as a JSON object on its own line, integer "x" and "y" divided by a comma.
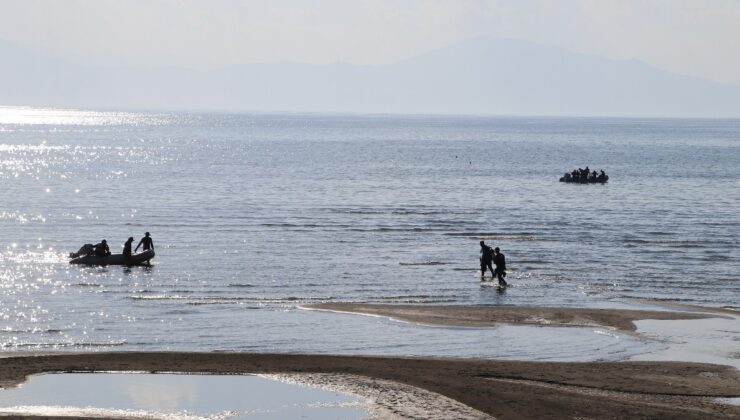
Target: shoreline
{"x": 490, "y": 316}
{"x": 502, "y": 389}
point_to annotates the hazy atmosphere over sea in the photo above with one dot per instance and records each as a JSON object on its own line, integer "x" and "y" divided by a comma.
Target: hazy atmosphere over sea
{"x": 324, "y": 182}
{"x": 491, "y": 57}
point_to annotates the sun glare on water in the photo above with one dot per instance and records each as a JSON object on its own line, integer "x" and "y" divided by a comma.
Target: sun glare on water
{"x": 60, "y": 116}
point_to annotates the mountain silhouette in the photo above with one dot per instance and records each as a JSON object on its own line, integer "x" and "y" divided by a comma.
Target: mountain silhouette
{"x": 477, "y": 76}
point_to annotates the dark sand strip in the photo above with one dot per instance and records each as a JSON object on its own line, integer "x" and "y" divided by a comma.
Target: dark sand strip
{"x": 503, "y": 389}
{"x": 487, "y": 316}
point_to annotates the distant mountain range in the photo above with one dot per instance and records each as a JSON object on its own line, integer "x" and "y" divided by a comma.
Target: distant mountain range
{"x": 478, "y": 76}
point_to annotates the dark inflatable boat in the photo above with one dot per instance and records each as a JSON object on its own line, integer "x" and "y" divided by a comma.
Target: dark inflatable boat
{"x": 114, "y": 259}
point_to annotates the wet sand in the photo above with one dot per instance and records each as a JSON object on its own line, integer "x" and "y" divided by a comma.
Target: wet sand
{"x": 486, "y": 316}
{"x": 502, "y": 389}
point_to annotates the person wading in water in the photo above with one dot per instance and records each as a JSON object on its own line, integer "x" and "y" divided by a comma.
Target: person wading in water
{"x": 486, "y": 258}
{"x": 500, "y": 261}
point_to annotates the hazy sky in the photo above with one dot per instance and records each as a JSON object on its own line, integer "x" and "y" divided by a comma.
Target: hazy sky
{"x": 696, "y": 37}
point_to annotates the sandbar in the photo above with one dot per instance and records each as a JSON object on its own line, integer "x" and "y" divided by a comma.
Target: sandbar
{"x": 488, "y": 316}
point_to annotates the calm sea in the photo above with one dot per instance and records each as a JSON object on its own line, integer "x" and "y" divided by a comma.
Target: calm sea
{"x": 253, "y": 215}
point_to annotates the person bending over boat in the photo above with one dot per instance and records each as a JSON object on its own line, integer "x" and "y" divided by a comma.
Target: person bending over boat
{"x": 147, "y": 242}
{"x": 101, "y": 249}
{"x": 500, "y": 261}
{"x": 127, "y": 251}
{"x": 486, "y": 258}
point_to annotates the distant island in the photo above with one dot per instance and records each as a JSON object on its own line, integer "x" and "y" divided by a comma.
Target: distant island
{"x": 487, "y": 76}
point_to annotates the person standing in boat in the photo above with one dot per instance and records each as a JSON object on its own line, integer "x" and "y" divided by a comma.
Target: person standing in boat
{"x": 101, "y": 249}
{"x": 500, "y": 261}
{"x": 127, "y": 251}
{"x": 486, "y": 258}
{"x": 147, "y": 242}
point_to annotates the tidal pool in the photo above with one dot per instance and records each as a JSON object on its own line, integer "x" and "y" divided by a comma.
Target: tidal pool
{"x": 175, "y": 396}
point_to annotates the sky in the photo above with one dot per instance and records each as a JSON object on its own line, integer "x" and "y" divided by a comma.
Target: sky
{"x": 692, "y": 37}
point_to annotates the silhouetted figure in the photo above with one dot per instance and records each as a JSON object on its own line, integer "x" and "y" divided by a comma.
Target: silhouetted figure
{"x": 101, "y": 249}
{"x": 486, "y": 259}
{"x": 500, "y": 261}
{"x": 585, "y": 176}
{"x": 127, "y": 251}
{"x": 147, "y": 242}
{"x": 87, "y": 249}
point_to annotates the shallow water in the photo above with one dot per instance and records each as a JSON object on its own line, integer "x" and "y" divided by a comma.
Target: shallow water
{"x": 175, "y": 397}
{"x": 252, "y": 215}
{"x": 714, "y": 340}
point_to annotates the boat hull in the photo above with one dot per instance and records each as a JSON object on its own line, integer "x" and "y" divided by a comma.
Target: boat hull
{"x": 114, "y": 259}
{"x": 585, "y": 181}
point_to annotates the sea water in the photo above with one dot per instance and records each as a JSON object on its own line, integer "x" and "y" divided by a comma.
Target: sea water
{"x": 175, "y": 397}
{"x": 255, "y": 214}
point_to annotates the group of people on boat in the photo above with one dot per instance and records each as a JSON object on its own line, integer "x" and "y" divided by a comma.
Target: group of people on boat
{"x": 102, "y": 249}
{"x": 489, "y": 256}
{"x": 585, "y": 176}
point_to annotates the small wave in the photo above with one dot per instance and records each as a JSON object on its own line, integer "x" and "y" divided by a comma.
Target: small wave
{"x": 423, "y": 263}
{"x": 406, "y": 297}
{"x": 659, "y": 299}
{"x": 675, "y": 242}
{"x": 520, "y": 236}
{"x": 717, "y": 257}
{"x": 471, "y": 233}
{"x": 448, "y": 222}
{"x": 356, "y": 211}
{"x": 400, "y": 211}
{"x": 394, "y": 229}
{"x": 219, "y": 300}
{"x": 241, "y": 285}
{"x": 532, "y": 262}
{"x": 181, "y": 312}
{"x": 64, "y": 344}
{"x": 297, "y": 225}
{"x": 426, "y": 299}
{"x": 417, "y": 212}
{"x": 11, "y": 330}
{"x": 88, "y": 285}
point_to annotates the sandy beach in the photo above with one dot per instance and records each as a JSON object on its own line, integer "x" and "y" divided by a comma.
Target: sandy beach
{"x": 501, "y": 389}
{"x": 441, "y": 388}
